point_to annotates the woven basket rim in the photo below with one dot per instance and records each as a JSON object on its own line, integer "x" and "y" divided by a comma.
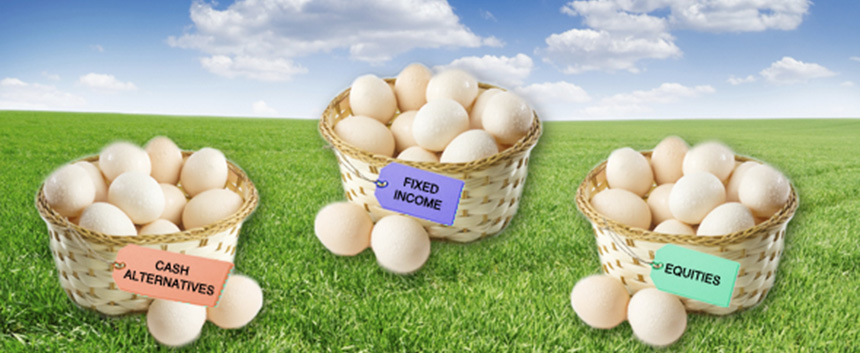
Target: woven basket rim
{"x": 779, "y": 219}
{"x": 326, "y": 128}
{"x": 249, "y": 204}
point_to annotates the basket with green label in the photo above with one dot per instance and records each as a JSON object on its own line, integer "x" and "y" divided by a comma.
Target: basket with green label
{"x": 440, "y": 153}
{"x": 703, "y": 226}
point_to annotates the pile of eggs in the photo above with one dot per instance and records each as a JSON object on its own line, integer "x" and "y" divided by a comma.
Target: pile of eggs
{"x": 699, "y": 191}
{"x": 656, "y": 317}
{"x": 400, "y": 243}
{"x": 136, "y": 191}
{"x": 175, "y": 323}
{"x": 432, "y": 118}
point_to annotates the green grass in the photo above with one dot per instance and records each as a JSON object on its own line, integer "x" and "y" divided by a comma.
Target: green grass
{"x": 507, "y": 293}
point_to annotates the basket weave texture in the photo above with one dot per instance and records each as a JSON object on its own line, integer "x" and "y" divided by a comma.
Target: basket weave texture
{"x": 490, "y": 196}
{"x": 83, "y": 257}
{"x": 757, "y": 249}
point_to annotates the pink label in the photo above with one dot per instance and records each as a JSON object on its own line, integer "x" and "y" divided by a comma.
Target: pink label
{"x": 171, "y": 276}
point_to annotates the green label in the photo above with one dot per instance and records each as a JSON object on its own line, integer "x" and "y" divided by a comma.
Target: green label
{"x": 694, "y": 275}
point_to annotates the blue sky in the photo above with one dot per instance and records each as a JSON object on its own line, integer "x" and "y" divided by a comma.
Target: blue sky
{"x": 614, "y": 59}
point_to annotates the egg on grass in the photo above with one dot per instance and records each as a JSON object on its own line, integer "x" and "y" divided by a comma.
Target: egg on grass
{"x": 711, "y": 157}
{"x": 453, "y": 84}
{"x": 400, "y": 243}
{"x": 600, "y": 301}
{"x": 173, "y": 323}
{"x": 507, "y": 117}
{"x": 656, "y": 317}
{"x": 469, "y": 146}
{"x": 658, "y": 202}
{"x": 241, "y": 301}
{"x": 343, "y": 228}
{"x": 727, "y": 218}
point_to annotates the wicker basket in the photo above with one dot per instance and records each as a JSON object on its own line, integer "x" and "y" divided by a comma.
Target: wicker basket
{"x": 83, "y": 256}
{"x": 757, "y": 249}
{"x": 491, "y": 193}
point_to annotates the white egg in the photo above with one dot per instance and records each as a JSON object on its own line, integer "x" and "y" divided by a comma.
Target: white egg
{"x": 600, "y": 301}
{"x": 711, "y": 157}
{"x": 138, "y": 195}
{"x": 727, "y": 218}
{"x": 668, "y": 158}
{"x": 629, "y": 170}
{"x": 209, "y": 207}
{"x": 371, "y": 96}
{"x": 658, "y": 202}
{"x": 410, "y": 87}
{"x": 174, "y": 323}
{"x": 174, "y": 203}
{"x": 401, "y": 128}
{"x": 438, "y": 122}
{"x": 735, "y": 180}
{"x": 453, "y": 84}
{"x": 165, "y": 158}
{"x": 694, "y": 195}
{"x": 475, "y": 116}
{"x": 69, "y": 190}
{"x": 469, "y": 146}
{"x": 673, "y": 226}
{"x": 240, "y": 302}
{"x": 623, "y": 207}
{"x": 121, "y": 157}
{"x": 657, "y": 318}
{"x": 507, "y": 117}
{"x": 97, "y": 178}
{"x": 204, "y": 170}
{"x": 764, "y": 190}
{"x": 159, "y": 226}
{"x": 366, "y": 134}
{"x": 343, "y": 228}
{"x": 107, "y": 219}
{"x": 400, "y": 243}
{"x": 418, "y": 154}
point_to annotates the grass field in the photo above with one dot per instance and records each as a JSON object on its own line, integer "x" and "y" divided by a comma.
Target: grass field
{"x": 507, "y": 293}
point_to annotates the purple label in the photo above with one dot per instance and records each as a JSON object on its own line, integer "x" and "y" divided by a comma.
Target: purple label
{"x": 418, "y": 193}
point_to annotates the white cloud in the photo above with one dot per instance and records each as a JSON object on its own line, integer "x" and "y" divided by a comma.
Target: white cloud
{"x": 639, "y": 103}
{"x": 741, "y": 80}
{"x": 737, "y": 16}
{"x": 554, "y": 92}
{"x": 98, "y": 48}
{"x": 487, "y": 15}
{"x": 105, "y": 82}
{"x": 50, "y": 76}
{"x": 371, "y": 30}
{"x": 17, "y": 94}
{"x": 252, "y": 67}
{"x": 581, "y": 50}
{"x": 261, "y": 108}
{"x": 620, "y": 33}
{"x": 847, "y": 84}
{"x": 502, "y": 70}
{"x": 788, "y": 71}
{"x": 855, "y": 58}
